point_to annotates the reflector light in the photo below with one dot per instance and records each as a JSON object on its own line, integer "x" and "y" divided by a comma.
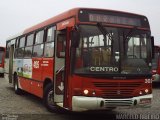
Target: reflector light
{"x": 140, "y": 92}
{"x": 146, "y": 90}
{"x": 93, "y": 93}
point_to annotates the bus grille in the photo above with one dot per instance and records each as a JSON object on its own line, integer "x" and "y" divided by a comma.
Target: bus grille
{"x": 117, "y": 89}
{"x": 124, "y": 102}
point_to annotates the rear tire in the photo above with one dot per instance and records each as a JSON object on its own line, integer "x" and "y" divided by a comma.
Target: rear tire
{"x": 48, "y": 98}
{"x": 16, "y": 86}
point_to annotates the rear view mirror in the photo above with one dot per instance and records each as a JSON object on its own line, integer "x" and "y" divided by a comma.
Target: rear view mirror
{"x": 61, "y": 45}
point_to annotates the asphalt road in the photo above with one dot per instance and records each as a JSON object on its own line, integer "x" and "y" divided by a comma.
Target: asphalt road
{"x": 29, "y": 107}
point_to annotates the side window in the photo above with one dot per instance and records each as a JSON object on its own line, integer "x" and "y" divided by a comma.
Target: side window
{"x": 38, "y": 46}
{"x": 49, "y": 49}
{"x": 20, "y": 50}
{"x": 39, "y": 37}
{"x": 16, "y": 46}
{"x": 17, "y": 43}
{"x": 50, "y": 34}
{"x": 28, "y": 52}
{"x": 38, "y": 50}
{"x": 22, "y": 42}
{"x": 29, "y": 43}
{"x": 7, "y": 49}
{"x": 30, "y": 40}
{"x": 49, "y": 45}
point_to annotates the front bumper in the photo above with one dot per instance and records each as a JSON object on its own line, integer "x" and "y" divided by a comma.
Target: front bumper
{"x": 82, "y": 103}
{"x": 1, "y": 70}
{"x": 156, "y": 78}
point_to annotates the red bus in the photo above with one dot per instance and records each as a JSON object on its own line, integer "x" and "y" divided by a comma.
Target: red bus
{"x": 156, "y": 64}
{"x": 84, "y": 59}
{"x": 2, "y": 57}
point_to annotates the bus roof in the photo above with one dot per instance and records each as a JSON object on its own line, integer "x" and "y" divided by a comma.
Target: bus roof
{"x": 61, "y": 17}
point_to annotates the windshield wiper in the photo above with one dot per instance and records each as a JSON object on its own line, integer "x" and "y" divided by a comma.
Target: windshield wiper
{"x": 104, "y": 32}
{"x": 130, "y": 33}
{"x": 102, "y": 29}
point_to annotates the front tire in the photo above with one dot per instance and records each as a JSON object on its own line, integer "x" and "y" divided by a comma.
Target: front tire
{"x": 48, "y": 98}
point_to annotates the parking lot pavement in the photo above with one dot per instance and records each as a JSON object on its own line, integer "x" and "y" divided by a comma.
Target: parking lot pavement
{"x": 27, "y": 106}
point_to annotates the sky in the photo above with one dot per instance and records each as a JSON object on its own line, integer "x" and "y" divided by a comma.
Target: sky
{"x": 17, "y": 15}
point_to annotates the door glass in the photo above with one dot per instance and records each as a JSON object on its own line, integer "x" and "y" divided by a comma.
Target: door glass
{"x": 61, "y": 45}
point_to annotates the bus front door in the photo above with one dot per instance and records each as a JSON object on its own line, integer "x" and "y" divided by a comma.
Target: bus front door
{"x": 59, "y": 67}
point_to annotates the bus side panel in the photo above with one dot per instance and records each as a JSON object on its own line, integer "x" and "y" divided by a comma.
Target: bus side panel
{"x": 37, "y": 88}
{"x": 18, "y": 66}
{"x": 47, "y": 68}
{"x": 24, "y": 84}
{"x": 46, "y": 71}
{"x": 27, "y": 79}
{"x": 37, "y": 69}
{"x": 21, "y": 67}
{"x": 37, "y": 81}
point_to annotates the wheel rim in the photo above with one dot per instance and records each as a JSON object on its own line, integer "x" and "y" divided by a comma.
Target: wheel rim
{"x": 50, "y": 98}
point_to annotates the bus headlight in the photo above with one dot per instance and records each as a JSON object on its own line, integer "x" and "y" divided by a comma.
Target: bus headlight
{"x": 86, "y": 92}
{"x": 146, "y": 90}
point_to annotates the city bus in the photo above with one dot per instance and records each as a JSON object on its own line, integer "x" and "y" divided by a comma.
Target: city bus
{"x": 2, "y": 57}
{"x": 156, "y": 64}
{"x": 84, "y": 59}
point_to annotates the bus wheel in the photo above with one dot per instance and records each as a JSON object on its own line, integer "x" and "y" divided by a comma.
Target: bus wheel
{"x": 16, "y": 87}
{"x": 48, "y": 98}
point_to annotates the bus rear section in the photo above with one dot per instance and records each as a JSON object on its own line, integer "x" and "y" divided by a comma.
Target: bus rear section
{"x": 156, "y": 64}
{"x": 2, "y": 57}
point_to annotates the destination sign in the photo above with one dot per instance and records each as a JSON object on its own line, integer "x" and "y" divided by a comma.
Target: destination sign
{"x": 112, "y": 19}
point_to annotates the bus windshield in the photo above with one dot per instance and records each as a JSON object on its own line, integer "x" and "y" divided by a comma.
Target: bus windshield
{"x": 111, "y": 50}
